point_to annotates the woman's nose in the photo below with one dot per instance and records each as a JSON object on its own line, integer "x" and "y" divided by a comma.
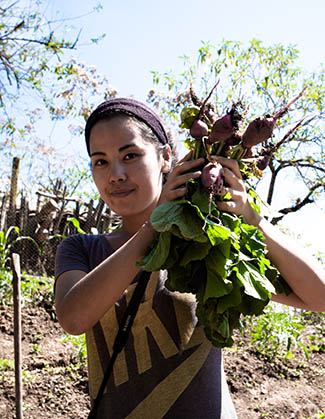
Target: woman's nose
{"x": 117, "y": 173}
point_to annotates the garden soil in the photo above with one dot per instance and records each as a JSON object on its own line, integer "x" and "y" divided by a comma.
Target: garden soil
{"x": 55, "y": 382}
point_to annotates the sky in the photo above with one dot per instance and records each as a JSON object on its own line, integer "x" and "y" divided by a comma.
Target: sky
{"x": 144, "y": 36}
{"x": 147, "y": 35}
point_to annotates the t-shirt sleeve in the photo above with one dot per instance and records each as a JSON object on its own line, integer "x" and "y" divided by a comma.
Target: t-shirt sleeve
{"x": 71, "y": 255}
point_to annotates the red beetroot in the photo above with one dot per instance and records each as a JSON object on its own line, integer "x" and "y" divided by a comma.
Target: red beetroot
{"x": 258, "y": 131}
{"x": 261, "y": 129}
{"x": 225, "y": 128}
{"x": 263, "y": 161}
{"x": 222, "y": 129}
{"x": 235, "y": 139}
{"x": 212, "y": 177}
{"x": 199, "y": 129}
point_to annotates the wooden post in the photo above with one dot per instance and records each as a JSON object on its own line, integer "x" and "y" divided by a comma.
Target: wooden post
{"x": 13, "y": 192}
{"x": 17, "y": 335}
{"x": 3, "y": 212}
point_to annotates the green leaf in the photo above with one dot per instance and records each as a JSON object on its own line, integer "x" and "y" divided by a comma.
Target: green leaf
{"x": 217, "y": 234}
{"x": 233, "y": 299}
{"x": 188, "y": 116}
{"x": 256, "y": 285}
{"x": 216, "y": 286}
{"x": 200, "y": 197}
{"x": 155, "y": 260}
{"x": 187, "y": 217}
{"x": 179, "y": 279}
{"x": 195, "y": 251}
{"x": 76, "y": 224}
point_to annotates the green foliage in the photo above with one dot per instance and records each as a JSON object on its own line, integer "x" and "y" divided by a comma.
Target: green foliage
{"x": 5, "y": 286}
{"x": 9, "y": 365}
{"x": 215, "y": 256}
{"x": 79, "y": 343}
{"x": 76, "y": 224}
{"x": 281, "y": 331}
{"x": 316, "y": 340}
{"x": 276, "y": 333}
{"x": 33, "y": 289}
{"x": 7, "y": 243}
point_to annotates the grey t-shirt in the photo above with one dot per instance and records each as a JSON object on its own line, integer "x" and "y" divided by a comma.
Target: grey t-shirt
{"x": 168, "y": 369}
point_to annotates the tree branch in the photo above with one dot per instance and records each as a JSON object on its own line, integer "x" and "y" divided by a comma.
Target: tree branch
{"x": 299, "y": 203}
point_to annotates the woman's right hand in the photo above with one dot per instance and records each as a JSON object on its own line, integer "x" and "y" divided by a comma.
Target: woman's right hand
{"x": 184, "y": 170}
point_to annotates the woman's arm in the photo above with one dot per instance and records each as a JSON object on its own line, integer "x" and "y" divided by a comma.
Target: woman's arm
{"x": 82, "y": 299}
{"x": 302, "y": 272}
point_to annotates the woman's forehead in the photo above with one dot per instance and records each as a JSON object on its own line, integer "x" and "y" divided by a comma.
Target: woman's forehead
{"x": 115, "y": 132}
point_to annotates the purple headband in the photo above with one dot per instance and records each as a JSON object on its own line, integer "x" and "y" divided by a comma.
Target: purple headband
{"x": 129, "y": 107}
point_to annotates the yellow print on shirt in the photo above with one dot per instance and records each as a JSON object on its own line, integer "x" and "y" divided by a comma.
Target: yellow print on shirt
{"x": 147, "y": 319}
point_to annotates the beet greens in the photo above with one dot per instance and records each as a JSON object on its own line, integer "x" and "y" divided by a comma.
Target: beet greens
{"x": 212, "y": 254}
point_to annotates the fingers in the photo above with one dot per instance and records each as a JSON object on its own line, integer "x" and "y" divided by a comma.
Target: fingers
{"x": 237, "y": 201}
{"x": 183, "y": 171}
{"x": 228, "y": 163}
{"x": 185, "y": 164}
{"x": 231, "y": 173}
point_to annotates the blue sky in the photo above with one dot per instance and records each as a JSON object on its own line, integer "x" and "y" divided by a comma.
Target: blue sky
{"x": 148, "y": 35}
{"x": 142, "y": 36}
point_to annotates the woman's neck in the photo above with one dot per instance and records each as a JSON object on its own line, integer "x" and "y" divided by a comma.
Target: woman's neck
{"x": 130, "y": 225}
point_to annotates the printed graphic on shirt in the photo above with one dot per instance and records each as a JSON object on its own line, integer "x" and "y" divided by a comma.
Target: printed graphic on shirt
{"x": 164, "y": 352}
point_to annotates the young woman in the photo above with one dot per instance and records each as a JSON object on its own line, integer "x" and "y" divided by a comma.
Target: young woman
{"x": 167, "y": 368}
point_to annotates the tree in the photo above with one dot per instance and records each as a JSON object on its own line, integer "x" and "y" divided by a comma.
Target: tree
{"x": 41, "y": 83}
{"x": 264, "y": 78}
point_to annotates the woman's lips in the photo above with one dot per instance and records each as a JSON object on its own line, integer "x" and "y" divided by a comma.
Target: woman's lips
{"x": 120, "y": 193}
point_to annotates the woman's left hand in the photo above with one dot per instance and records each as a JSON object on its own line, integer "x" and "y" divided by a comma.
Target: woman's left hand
{"x": 238, "y": 203}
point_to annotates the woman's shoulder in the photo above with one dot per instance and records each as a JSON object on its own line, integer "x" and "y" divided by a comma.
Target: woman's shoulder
{"x": 85, "y": 244}
{"x": 82, "y": 252}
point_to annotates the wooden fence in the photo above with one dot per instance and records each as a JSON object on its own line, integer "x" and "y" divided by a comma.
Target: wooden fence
{"x": 47, "y": 222}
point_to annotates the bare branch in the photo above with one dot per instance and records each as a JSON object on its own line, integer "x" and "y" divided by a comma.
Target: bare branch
{"x": 299, "y": 203}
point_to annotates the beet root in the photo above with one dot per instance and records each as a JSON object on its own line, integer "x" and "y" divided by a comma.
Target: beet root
{"x": 199, "y": 129}
{"x": 258, "y": 131}
{"x": 263, "y": 161}
{"x": 212, "y": 178}
{"x": 221, "y": 130}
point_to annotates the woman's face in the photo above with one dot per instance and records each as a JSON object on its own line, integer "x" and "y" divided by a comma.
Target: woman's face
{"x": 127, "y": 169}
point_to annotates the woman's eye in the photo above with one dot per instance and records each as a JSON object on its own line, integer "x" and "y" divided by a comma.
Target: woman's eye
{"x": 130, "y": 156}
{"x": 99, "y": 162}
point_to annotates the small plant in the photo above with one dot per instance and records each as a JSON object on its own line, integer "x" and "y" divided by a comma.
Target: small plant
{"x": 6, "y": 244}
{"x": 5, "y": 366}
{"x": 5, "y": 286}
{"x": 33, "y": 288}
{"x": 276, "y": 333}
{"x": 80, "y": 344}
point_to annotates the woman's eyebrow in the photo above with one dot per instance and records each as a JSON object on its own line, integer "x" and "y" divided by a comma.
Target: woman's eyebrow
{"x": 124, "y": 147}
{"x": 96, "y": 153}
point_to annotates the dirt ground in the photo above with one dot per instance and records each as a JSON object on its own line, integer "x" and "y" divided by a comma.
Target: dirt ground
{"x": 55, "y": 384}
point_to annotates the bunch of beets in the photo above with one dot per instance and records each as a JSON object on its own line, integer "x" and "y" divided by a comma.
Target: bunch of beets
{"x": 212, "y": 254}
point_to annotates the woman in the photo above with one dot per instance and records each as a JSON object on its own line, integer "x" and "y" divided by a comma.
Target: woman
{"x": 167, "y": 368}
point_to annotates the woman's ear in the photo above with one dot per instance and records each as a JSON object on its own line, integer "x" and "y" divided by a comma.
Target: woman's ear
{"x": 167, "y": 159}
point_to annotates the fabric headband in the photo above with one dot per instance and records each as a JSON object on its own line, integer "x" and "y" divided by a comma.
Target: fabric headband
{"x": 129, "y": 107}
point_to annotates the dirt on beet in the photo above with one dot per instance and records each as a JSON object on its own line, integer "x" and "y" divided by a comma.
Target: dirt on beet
{"x": 55, "y": 381}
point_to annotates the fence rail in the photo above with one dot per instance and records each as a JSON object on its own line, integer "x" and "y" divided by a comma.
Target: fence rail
{"x": 47, "y": 222}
